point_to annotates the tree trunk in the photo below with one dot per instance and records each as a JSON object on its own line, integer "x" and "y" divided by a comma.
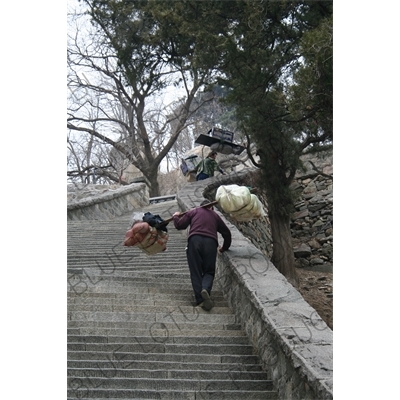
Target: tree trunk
{"x": 283, "y": 256}
{"x": 154, "y": 190}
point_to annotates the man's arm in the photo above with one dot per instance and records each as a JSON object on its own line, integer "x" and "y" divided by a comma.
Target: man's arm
{"x": 217, "y": 167}
{"x": 226, "y": 234}
{"x": 180, "y": 222}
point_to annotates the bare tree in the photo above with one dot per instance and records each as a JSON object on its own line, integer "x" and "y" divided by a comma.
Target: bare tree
{"x": 127, "y": 107}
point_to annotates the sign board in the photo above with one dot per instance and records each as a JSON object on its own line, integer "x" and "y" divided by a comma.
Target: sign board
{"x": 221, "y": 134}
{"x": 219, "y": 145}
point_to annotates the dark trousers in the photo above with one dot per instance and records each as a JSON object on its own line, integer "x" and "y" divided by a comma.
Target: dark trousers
{"x": 201, "y": 255}
{"x": 202, "y": 176}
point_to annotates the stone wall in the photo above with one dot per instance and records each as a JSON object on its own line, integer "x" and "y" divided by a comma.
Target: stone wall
{"x": 312, "y": 221}
{"x": 294, "y": 343}
{"x": 104, "y": 201}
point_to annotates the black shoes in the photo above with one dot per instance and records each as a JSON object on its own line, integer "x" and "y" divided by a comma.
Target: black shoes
{"x": 207, "y": 302}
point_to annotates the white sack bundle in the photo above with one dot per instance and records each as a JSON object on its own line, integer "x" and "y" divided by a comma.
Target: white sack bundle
{"x": 239, "y": 203}
{"x": 233, "y": 197}
{"x": 253, "y": 210}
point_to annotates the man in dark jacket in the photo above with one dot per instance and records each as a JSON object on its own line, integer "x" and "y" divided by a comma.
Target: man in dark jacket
{"x": 202, "y": 248}
{"x": 206, "y": 168}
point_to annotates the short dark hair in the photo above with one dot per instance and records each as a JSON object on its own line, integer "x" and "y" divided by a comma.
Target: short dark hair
{"x": 204, "y": 202}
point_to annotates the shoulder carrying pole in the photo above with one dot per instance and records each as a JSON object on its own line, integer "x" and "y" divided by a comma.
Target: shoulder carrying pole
{"x": 167, "y": 221}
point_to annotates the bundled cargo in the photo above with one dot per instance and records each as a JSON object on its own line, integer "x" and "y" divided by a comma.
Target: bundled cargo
{"x": 149, "y": 232}
{"x": 253, "y": 210}
{"x": 233, "y": 197}
{"x": 144, "y": 234}
{"x": 239, "y": 202}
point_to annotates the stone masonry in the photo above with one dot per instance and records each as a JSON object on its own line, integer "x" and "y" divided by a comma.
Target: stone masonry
{"x": 104, "y": 201}
{"x": 312, "y": 221}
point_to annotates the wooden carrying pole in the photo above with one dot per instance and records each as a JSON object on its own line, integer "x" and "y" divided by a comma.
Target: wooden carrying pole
{"x": 167, "y": 221}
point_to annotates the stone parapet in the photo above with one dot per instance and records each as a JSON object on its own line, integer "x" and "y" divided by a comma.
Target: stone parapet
{"x": 110, "y": 204}
{"x": 312, "y": 221}
{"x": 293, "y": 342}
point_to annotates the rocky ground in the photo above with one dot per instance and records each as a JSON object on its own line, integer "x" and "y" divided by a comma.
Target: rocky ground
{"x": 317, "y": 289}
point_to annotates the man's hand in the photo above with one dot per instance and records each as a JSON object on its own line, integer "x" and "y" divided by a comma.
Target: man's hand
{"x": 176, "y": 214}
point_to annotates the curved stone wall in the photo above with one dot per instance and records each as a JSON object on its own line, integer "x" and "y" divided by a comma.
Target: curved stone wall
{"x": 105, "y": 202}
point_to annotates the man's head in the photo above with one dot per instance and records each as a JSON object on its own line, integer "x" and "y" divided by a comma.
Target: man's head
{"x": 212, "y": 154}
{"x": 205, "y": 202}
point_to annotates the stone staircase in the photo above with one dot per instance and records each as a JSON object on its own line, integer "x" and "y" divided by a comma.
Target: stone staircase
{"x": 133, "y": 332}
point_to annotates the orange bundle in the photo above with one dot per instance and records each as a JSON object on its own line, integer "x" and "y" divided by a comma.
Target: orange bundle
{"x": 146, "y": 238}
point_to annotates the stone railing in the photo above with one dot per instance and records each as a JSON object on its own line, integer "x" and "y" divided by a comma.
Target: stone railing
{"x": 293, "y": 342}
{"x": 110, "y": 204}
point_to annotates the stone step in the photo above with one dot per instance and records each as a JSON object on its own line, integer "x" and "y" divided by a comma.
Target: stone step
{"x": 145, "y": 303}
{"x": 150, "y": 275}
{"x": 127, "y": 253}
{"x": 118, "y": 355}
{"x": 151, "y": 327}
{"x": 82, "y": 288}
{"x": 126, "y": 317}
{"x": 115, "y": 243}
{"x": 92, "y": 249}
{"x": 190, "y": 311}
{"x": 171, "y": 331}
{"x": 110, "y": 364}
{"x": 92, "y": 229}
{"x": 76, "y": 293}
{"x": 166, "y": 348}
{"x": 78, "y": 288}
{"x": 79, "y": 391}
{"x": 186, "y": 303}
{"x": 138, "y": 295}
{"x": 205, "y": 373}
{"x": 121, "y": 287}
{"x": 127, "y": 276}
{"x": 157, "y": 339}
{"x": 174, "y": 384}
{"x": 168, "y": 286}
{"x": 122, "y": 269}
{"x": 120, "y": 264}
{"x": 99, "y": 287}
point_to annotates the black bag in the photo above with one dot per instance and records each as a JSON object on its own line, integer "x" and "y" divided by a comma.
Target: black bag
{"x": 155, "y": 221}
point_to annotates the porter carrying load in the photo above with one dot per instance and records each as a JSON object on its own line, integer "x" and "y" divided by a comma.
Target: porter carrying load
{"x": 149, "y": 233}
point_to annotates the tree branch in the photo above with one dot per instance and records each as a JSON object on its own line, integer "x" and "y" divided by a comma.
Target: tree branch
{"x": 319, "y": 171}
